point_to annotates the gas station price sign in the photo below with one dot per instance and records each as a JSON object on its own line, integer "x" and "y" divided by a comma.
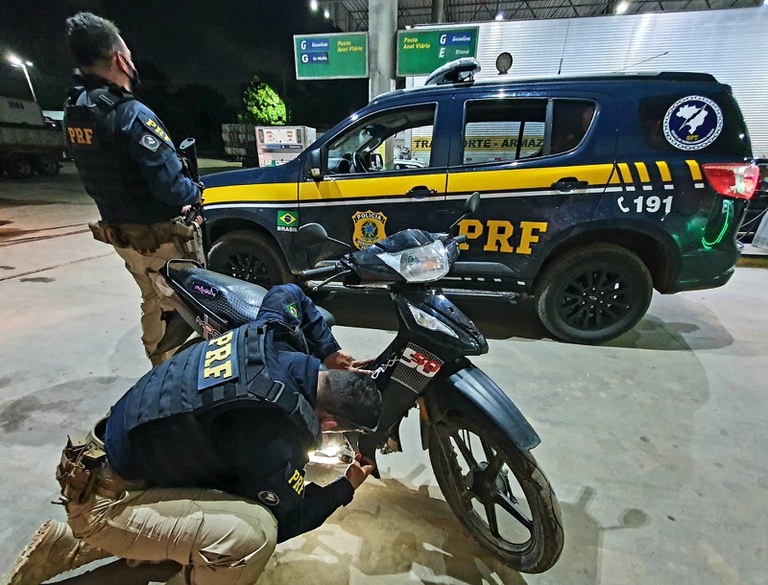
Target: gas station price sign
{"x": 421, "y": 51}
{"x": 331, "y": 56}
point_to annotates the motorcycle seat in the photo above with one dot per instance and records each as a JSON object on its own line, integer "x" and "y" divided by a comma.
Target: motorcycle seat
{"x": 236, "y": 300}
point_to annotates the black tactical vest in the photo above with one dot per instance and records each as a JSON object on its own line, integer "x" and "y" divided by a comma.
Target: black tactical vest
{"x": 100, "y": 153}
{"x": 162, "y": 410}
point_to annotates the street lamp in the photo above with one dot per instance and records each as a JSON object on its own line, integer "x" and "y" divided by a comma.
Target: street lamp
{"x": 16, "y": 62}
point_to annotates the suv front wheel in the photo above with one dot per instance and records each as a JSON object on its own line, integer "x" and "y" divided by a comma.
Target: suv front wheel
{"x": 249, "y": 256}
{"x": 593, "y": 293}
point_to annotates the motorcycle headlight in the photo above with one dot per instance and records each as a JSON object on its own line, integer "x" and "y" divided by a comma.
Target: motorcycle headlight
{"x": 421, "y": 264}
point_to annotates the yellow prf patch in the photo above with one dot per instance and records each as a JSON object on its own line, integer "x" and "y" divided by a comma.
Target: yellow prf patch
{"x": 296, "y": 481}
{"x": 155, "y": 128}
{"x": 218, "y": 362}
{"x": 369, "y": 228}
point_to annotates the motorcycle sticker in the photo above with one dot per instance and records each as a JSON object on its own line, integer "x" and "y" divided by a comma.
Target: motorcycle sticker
{"x": 693, "y": 122}
{"x": 416, "y": 368}
{"x": 369, "y": 228}
{"x": 391, "y": 361}
{"x": 207, "y": 291}
{"x": 208, "y": 329}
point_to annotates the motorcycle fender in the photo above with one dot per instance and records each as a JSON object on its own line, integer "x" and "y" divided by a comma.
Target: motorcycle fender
{"x": 471, "y": 392}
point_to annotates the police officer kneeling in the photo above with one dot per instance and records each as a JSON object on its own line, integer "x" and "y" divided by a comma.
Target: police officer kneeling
{"x": 202, "y": 461}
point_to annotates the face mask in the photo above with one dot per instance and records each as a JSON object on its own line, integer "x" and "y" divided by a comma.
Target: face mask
{"x": 135, "y": 79}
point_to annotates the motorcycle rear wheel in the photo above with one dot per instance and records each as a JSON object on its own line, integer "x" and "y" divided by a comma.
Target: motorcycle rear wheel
{"x": 498, "y": 493}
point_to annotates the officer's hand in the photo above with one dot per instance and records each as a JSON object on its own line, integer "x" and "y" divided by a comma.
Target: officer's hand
{"x": 341, "y": 360}
{"x": 359, "y": 470}
{"x": 186, "y": 210}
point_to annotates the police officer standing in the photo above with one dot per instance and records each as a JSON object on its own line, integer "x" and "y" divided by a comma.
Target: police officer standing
{"x": 129, "y": 166}
{"x": 202, "y": 461}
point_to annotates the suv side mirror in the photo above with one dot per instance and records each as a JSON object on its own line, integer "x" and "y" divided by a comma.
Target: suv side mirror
{"x": 316, "y": 165}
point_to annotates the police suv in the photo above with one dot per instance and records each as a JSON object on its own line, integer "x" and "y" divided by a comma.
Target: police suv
{"x": 595, "y": 190}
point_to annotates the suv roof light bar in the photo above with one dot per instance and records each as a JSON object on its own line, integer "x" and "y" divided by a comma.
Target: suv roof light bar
{"x": 459, "y": 71}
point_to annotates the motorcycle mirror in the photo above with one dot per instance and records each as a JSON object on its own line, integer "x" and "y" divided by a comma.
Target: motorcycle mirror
{"x": 187, "y": 143}
{"x": 470, "y": 206}
{"x": 472, "y": 203}
{"x": 310, "y": 234}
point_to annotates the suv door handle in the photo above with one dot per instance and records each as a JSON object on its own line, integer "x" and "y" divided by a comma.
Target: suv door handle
{"x": 421, "y": 191}
{"x": 568, "y": 184}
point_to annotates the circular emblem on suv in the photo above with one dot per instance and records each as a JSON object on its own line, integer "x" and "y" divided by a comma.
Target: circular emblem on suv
{"x": 269, "y": 498}
{"x": 693, "y": 122}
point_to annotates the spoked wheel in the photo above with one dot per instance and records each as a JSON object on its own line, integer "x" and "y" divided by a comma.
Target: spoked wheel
{"x": 498, "y": 492}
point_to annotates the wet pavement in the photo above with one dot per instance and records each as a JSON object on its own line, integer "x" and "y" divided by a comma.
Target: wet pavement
{"x": 654, "y": 442}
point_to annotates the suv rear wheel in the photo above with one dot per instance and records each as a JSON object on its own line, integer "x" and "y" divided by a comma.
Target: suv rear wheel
{"x": 249, "y": 256}
{"x": 593, "y": 293}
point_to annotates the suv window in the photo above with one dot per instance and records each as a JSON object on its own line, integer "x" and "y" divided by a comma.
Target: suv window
{"x": 503, "y": 130}
{"x": 507, "y": 130}
{"x": 396, "y": 139}
{"x": 570, "y": 122}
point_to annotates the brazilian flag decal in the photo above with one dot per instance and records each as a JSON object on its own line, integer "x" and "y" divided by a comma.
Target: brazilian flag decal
{"x": 287, "y": 221}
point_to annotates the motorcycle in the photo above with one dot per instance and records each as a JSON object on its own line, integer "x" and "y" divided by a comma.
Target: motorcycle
{"x": 478, "y": 441}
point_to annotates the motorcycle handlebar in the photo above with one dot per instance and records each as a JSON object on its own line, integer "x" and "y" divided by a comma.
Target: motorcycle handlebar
{"x": 460, "y": 239}
{"x": 322, "y": 271}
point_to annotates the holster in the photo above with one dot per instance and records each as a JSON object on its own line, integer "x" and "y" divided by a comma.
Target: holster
{"x": 80, "y": 468}
{"x": 144, "y": 238}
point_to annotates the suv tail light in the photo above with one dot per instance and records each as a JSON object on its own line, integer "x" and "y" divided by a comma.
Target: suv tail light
{"x": 738, "y": 180}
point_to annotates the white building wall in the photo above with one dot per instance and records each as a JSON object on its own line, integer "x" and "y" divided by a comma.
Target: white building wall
{"x": 730, "y": 44}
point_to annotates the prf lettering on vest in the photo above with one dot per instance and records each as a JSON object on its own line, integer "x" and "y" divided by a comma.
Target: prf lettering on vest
{"x": 498, "y": 233}
{"x": 297, "y": 482}
{"x": 218, "y": 359}
{"x": 80, "y": 135}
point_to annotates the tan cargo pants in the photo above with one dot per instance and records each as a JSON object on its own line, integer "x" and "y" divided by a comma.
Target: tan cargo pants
{"x": 144, "y": 268}
{"x": 219, "y": 539}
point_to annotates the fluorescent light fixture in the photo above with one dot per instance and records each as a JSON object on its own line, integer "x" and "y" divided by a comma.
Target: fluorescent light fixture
{"x": 313, "y": 5}
{"x": 500, "y": 16}
{"x": 327, "y": 13}
{"x": 622, "y": 7}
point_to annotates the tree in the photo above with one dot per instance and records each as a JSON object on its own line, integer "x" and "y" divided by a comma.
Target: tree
{"x": 263, "y": 107}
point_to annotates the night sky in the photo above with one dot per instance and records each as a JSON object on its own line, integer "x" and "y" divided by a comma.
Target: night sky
{"x": 219, "y": 44}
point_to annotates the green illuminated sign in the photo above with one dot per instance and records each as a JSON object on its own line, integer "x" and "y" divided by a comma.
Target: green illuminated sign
{"x": 331, "y": 56}
{"x": 421, "y": 51}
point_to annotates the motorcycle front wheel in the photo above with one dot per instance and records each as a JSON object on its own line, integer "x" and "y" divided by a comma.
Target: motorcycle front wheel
{"x": 498, "y": 492}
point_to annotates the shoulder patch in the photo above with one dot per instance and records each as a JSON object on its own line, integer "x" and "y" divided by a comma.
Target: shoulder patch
{"x": 269, "y": 498}
{"x": 149, "y": 142}
{"x": 153, "y": 126}
{"x": 292, "y": 309}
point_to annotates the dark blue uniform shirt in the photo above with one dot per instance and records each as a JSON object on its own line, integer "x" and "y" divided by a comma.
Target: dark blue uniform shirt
{"x": 255, "y": 449}
{"x": 125, "y": 155}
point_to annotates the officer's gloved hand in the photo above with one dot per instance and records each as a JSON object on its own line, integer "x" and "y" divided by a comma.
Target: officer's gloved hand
{"x": 341, "y": 360}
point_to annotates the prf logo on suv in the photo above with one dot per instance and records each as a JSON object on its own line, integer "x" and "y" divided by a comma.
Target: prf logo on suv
{"x": 595, "y": 190}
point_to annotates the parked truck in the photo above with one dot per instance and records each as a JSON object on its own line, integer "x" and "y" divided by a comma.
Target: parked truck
{"x": 28, "y": 143}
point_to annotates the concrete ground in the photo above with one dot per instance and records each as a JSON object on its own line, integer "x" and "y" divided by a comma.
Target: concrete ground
{"x": 655, "y": 443}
